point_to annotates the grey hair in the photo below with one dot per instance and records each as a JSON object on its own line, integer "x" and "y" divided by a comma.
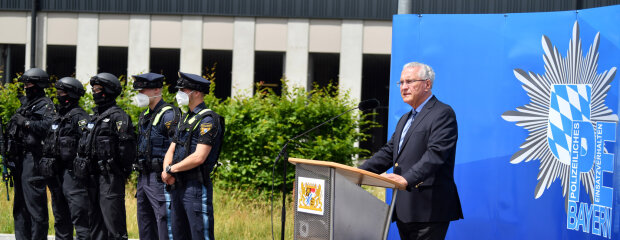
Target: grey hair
{"x": 426, "y": 72}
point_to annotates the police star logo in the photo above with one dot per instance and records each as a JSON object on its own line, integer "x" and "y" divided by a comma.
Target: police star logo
{"x": 167, "y": 124}
{"x": 205, "y": 128}
{"x": 570, "y": 129}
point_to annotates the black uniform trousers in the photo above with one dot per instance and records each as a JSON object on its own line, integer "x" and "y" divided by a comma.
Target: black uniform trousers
{"x": 107, "y": 211}
{"x": 153, "y": 207}
{"x": 70, "y": 205}
{"x": 30, "y": 200}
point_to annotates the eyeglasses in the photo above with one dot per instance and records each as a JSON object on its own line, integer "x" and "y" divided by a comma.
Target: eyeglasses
{"x": 409, "y": 81}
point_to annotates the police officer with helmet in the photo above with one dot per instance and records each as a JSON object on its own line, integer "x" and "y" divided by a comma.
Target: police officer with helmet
{"x": 190, "y": 159}
{"x": 106, "y": 155}
{"x": 70, "y": 202}
{"x": 156, "y": 128}
{"x": 26, "y": 132}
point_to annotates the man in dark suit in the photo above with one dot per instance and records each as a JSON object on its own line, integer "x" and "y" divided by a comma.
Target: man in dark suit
{"x": 422, "y": 151}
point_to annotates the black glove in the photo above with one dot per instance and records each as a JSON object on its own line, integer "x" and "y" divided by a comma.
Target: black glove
{"x": 19, "y": 119}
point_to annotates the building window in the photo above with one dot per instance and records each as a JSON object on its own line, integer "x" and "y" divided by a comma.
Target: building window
{"x": 376, "y": 84}
{"x": 166, "y": 62}
{"x": 12, "y": 61}
{"x": 112, "y": 60}
{"x": 323, "y": 68}
{"x": 222, "y": 60}
{"x": 269, "y": 69}
{"x": 60, "y": 61}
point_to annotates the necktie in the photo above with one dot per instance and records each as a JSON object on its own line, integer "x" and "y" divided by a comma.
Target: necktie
{"x": 407, "y": 125}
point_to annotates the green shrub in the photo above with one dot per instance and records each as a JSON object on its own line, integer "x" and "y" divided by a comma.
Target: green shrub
{"x": 9, "y": 102}
{"x": 257, "y": 127}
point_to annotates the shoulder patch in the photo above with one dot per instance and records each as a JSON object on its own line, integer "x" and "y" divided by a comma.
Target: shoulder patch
{"x": 106, "y": 120}
{"x": 168, "y": 123}
{"x": 119, "y": 125}
{"x": 205, "y": 127}
{"x": 82, "y": 123}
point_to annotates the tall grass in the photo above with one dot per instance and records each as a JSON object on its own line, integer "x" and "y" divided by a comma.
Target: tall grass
{"x": 6, "y": 210}
{"x": 237, "y": 214}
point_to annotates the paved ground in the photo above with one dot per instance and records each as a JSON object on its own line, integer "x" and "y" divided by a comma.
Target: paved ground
{"x": 4, "y": 236}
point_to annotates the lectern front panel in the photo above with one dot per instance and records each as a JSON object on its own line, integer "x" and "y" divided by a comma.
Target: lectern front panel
{"x": 314, "y": 220}
{"x": 357, "y": 214}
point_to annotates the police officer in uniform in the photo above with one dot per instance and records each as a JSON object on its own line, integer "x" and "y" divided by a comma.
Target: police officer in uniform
{"x": 27, "y": 130}
{"x": 70, "y": 202}
{"x": 106, "y": 155}
{"x": 190, "y": 159}
{"x": 156, "y": 129}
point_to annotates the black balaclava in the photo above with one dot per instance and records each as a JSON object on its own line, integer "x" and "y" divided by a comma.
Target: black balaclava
{"x": 34, "y": 92}
{"x": 99, "y": 98}
{"x": 66, "y": 103}
{"x": 103, "y": 101}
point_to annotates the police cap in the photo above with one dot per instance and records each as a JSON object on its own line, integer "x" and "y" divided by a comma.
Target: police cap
{"x": 148, "y": 80}
{"x": 193, "y": 81}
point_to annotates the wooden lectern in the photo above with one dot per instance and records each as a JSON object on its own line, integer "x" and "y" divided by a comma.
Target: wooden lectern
{"x": 330, "y": 204}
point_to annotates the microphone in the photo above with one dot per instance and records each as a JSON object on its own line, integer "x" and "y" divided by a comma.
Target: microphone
{"x": 363, "y": 106}
{"x": 368, "y": 104}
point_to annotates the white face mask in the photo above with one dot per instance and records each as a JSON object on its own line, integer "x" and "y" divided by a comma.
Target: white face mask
{"x": 141, "y": 99}
{"x": 183, "y": 98}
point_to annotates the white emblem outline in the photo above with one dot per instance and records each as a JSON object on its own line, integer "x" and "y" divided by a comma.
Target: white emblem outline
{"x": 534, "y": 116}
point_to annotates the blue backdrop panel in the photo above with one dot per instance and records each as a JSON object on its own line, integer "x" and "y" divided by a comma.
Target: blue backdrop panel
{"x": 475, "y": 57}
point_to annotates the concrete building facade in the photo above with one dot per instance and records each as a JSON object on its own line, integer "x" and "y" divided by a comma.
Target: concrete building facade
{"x": 294, "y": 38}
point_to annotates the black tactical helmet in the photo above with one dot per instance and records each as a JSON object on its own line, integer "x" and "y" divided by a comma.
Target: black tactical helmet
{"x": 109, "y": 82}
{"x": 37, "y": 77}
{"x": 71, "y": 86}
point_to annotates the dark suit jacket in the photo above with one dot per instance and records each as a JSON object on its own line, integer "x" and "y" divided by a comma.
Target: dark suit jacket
{"x": 426, "y": 161}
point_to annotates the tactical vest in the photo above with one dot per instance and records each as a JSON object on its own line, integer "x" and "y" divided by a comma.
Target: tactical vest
{"x": 31, "y": 140}
{"x": 100, "y": 145}
{"x": 186, "y": 132}
{"x": 152, "y": 147}
{"x": 63, "y": 147}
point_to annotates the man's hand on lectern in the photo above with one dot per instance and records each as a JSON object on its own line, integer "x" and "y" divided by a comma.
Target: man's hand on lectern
{"x": 396, "y": 178}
